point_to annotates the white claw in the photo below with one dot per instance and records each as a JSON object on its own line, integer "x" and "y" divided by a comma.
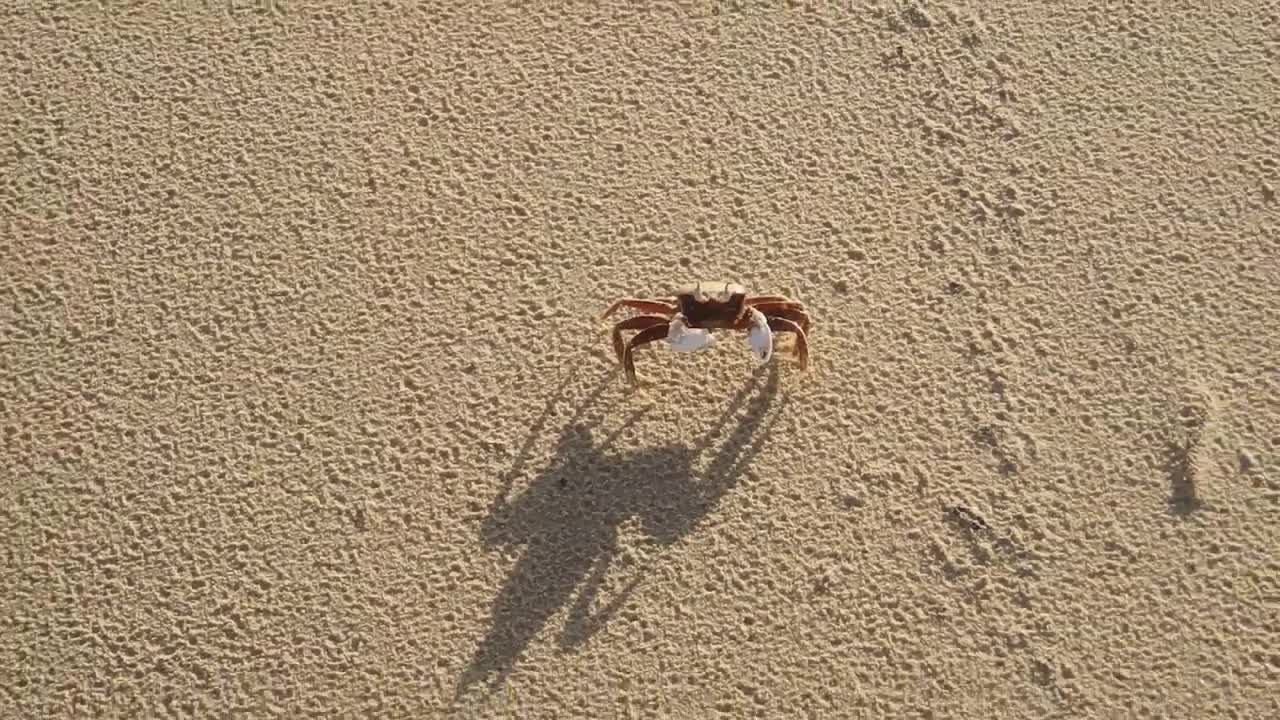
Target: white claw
{"x": 686, "y": 339}
{"x": 760, "y": 337}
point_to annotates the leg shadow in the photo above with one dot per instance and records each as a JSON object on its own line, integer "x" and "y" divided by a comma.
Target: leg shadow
{"x": 569, "y": 518}
{"x": 687, "y": 502}
{"x": 568, "y": 521}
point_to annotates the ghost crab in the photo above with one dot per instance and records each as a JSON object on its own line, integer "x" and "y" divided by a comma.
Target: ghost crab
{"x": 686, "y": 318}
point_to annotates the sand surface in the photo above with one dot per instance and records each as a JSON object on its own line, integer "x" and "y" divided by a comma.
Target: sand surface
{"x": 308, "y": 409}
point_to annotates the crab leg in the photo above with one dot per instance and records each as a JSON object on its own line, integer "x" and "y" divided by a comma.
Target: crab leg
{"x": 798, "y": 317}
{"x": 639, "y": 322}
{"x": 768, "y": 299}
{"x": 644, "y": 337}
{"x": 768, "y": 307}
{"x": 661, "y": 307}
{"x": 782, "y": 324}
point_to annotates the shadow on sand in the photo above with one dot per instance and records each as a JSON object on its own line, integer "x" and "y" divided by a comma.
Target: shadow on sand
{"x": 569, "y": 518}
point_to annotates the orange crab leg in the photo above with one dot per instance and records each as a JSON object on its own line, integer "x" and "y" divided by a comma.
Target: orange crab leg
{"x": 765, "y": 307}
{"x": 649, "y": 306}
{"x": 644, "y": 337}
{"x": 781, "y": 324}
{"x": 765, "y": 299}
{"x": 639, "y": 322}
{"x": 799, "y": 317}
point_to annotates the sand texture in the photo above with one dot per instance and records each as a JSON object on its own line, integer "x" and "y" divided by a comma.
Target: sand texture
{"x": 309, "y": 410}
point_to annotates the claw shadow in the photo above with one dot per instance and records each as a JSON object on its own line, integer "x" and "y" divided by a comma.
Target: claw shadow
{"x": 570, "y": 516}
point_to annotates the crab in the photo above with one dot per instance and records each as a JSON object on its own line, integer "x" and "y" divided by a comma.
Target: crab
{"x": 686, "y": 317}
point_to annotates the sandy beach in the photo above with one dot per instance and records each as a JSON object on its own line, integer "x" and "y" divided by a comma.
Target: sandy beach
{"x": 309, "y": 409}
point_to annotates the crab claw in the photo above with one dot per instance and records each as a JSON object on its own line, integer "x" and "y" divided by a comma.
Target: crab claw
{"x": 760, "y": 337}
{"x": 686, "y": 339}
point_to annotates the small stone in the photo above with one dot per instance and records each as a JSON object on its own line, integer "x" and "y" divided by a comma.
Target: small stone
{"x": 1247, "y": 460}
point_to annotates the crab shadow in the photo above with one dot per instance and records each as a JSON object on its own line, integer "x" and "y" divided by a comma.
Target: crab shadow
{"x": 569, "y": 518}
